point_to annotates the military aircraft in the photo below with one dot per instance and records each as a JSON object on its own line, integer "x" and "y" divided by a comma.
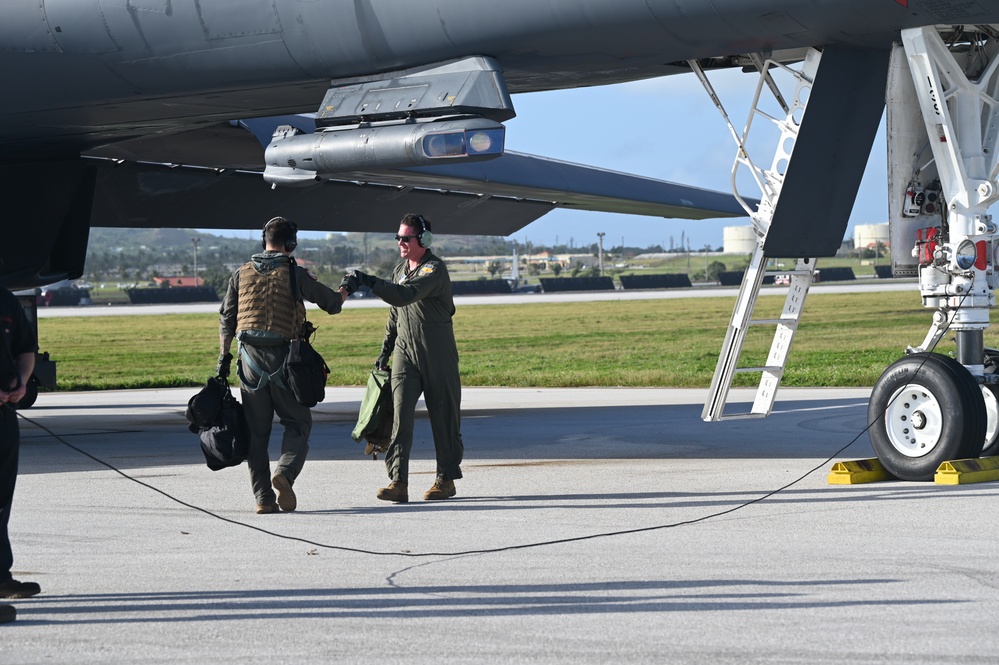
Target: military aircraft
{"x": 210, "y": 113}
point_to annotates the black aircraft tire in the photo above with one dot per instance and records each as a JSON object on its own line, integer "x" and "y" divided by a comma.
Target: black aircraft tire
{"x": 925, "y": 409}
{"x": 976, "y": 411}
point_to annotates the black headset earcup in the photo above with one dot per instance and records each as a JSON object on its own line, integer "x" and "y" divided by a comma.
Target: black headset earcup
{"x": 425, "y": 237}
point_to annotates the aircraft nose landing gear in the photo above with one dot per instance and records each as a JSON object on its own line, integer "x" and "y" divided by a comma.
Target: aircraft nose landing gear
{"x": 926, "y": 409}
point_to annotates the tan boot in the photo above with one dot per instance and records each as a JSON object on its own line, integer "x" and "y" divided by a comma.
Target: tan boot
{"x": 396, "y": 491}
{"x": 285, "y": 494}
{"x": 442, "y": 489}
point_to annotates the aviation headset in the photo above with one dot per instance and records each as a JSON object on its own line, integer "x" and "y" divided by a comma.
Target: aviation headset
{"x": 291, "y": 242}
{"x": 425, "y": 237}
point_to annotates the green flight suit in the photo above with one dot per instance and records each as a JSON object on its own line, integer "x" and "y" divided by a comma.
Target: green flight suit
{"x": 420, "y": 338}
{"x": 263, "y": 396}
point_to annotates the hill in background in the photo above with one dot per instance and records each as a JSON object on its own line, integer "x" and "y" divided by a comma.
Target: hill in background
{"x": 152, "y": 240}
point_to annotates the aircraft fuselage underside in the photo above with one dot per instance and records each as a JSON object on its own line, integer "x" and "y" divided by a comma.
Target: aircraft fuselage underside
{"x": 92, "y": 71}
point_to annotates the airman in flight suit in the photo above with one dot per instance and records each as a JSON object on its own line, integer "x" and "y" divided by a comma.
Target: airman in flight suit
{"x": 419, "y": 339}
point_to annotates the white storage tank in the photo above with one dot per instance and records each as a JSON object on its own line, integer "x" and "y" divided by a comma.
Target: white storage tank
{"x": 739, "y": 239}
{"x": 868, "y": 235}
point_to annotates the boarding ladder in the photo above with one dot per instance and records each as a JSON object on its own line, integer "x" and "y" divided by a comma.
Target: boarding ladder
{"x": 801, "y": 277}
{"x": 742, "y": 319}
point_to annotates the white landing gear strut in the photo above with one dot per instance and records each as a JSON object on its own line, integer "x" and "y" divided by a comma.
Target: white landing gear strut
{"x": 928, "y": 408}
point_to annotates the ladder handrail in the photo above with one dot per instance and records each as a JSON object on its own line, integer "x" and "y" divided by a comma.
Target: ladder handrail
{"x": 769, "y": 181}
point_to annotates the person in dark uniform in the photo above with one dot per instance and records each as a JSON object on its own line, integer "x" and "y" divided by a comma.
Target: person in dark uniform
{"x": 419, "y": 339}
{"x": 17, "y": 362}
{"x": 263, "y": 313}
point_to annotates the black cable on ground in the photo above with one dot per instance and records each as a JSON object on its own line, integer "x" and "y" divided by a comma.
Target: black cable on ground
{"x": 491, "y": 550}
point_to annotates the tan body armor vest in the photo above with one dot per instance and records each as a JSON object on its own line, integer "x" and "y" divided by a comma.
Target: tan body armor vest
{"x": 266, "y": 303}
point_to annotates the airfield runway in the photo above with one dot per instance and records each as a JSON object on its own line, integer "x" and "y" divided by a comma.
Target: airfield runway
{"x": 859, "y": 286}
{"x": 709, "y": 565}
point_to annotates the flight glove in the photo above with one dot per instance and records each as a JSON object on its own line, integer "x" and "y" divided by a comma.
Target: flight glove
{"x": 225, "y": 365}
{"x": 349, "y": 282}
{"x": 363, "y": 278}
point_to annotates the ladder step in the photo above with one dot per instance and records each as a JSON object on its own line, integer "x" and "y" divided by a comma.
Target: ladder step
{"x": 742, "y": 416}
{"x": 773, "y": 369}
{"x": 773, "y": 322}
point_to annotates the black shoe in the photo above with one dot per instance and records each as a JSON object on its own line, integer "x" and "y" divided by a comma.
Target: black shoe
{"x": 285, "y": 495}
{"x": 267, "y": 508}
{"x": 7, "y": 613}
{"x": 15, "y": 589}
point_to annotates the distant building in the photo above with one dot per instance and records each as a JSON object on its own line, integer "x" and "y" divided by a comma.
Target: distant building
{"x": 742, "y": 239}
{"x": 867, "y": 236}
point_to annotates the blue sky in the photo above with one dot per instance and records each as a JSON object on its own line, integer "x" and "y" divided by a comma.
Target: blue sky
{"x": 664, "y": 128}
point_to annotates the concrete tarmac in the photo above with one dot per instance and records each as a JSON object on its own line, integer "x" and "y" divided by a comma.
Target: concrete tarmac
{"x": 731, "y": 546}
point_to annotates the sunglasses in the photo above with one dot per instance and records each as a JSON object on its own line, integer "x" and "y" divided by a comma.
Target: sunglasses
{"x": 404, "y": 238}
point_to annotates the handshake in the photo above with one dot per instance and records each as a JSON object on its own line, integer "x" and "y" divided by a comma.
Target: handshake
{"x": 356, "y": 279}
{"x": 351, "y": 282}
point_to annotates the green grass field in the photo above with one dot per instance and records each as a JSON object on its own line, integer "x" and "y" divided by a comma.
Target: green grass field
{"x": 843, "y": 340}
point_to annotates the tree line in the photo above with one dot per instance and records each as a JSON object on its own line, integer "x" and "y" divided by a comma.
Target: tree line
{"x": 137, "y": 256}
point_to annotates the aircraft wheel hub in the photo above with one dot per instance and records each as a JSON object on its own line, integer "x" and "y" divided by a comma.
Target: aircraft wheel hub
{"x": 914, "y": 420}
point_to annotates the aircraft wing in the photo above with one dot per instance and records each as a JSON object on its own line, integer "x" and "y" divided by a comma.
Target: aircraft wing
{"x": 210, "y": 178}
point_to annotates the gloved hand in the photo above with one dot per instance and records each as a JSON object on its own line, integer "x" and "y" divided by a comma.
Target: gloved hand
{"x": 349, "y": 283}
{"x": 363, "y": 278}
{"x": 225, "y": 365}
{"x": 383, "y": 362}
